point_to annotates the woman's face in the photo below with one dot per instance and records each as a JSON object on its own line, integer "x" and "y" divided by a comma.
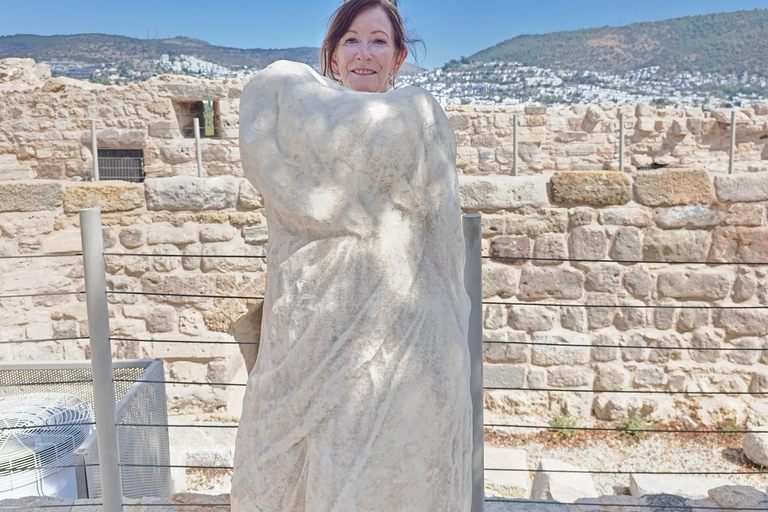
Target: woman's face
{"x": 366, "y": 57}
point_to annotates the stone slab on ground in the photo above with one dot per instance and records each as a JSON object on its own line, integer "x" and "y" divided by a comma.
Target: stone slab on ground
{"x": 513, "y": 484}
{"x": 498, "y": 505}
{"x": 739, "y": 496}
{"x": 755, "y": 445}
{"x": 554, "y": 480}
{"x": 687, "y": 486}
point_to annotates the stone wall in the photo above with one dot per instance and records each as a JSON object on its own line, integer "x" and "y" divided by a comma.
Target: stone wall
{"x": 680, "y": 214}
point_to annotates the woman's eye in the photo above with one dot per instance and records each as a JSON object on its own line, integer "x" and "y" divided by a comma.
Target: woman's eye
{"x": 350, "y": 40}
{"x": 380, "y": 41}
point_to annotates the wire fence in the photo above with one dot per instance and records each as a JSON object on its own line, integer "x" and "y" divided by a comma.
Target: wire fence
{"x": 493, "y": 425}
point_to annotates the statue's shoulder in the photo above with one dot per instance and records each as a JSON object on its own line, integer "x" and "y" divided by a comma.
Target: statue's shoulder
{"x": 279, "y": 74}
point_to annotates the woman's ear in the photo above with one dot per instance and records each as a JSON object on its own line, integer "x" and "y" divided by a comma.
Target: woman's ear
{"x": 334, "y": 65}
{"x": 399, "y": 59}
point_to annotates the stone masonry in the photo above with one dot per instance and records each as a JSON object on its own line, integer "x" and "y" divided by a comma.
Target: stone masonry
{"x": 595, "y": 320}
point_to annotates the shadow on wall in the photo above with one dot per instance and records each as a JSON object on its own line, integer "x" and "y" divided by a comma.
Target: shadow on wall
{"x": 247, "y": 329}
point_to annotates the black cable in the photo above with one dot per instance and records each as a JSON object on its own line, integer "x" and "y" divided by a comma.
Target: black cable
{"x": 638, "y": 391}
{"x": 624, "y": 306}
{"x": 47, "y": 339}
{"x": 29, "y": 256}
{"x": 51, "y": 383}
{"x": 184, "y": 255}
{"x": 617, "y": 429}
{"x": 194, "y": 295}
{"x": 594, "y": 503}
{"x": 206, "y": 342}
{"x": 172, "y": 466}
{"x": 603, "y": 472}
{"x": 228, "y": 384}
{"x": 55, "y": 425}
{"x": 200, "y": 425}
{"x": 39, "y": 295}
{"x": 36, "y": 506}
{"x": 590, "y": 260}
{"x": 656, "y": 347}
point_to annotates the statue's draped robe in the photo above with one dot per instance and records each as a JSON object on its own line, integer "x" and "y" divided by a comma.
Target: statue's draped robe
{"x": 359, "y": 400}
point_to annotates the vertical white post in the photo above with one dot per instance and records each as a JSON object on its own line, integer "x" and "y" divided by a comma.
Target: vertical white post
{"x": 101, "y": 359}
{"x": 95, "y": 148}
{"x": 732, "y": 155}
{"x": 621, "y": 142}
{"x": 514, "y": 142}
{"x": 199, "y": 149}
{"x": 473, "y": 280}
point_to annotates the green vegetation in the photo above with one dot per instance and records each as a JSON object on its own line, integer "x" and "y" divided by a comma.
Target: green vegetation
{"x": 634, "y": 428}
{"x": 95, "y": 48}
{"x": 715, "y": 43}
{"x": 566, "y": 426}
{"x": 732, "y": 427}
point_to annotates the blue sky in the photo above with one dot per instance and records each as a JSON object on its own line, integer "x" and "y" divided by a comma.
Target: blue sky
{"x": 450, "y": 28}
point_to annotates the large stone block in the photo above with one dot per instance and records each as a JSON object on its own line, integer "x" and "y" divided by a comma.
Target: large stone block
{"x": 504, "y": 376}
{"x": 558, "y": 283}
{"x": 672, "y": 187}
{"x": 689, "y": 217}
{"x": 677, "y": 245}
{"x": 512, "y": 471}
{"x": 627, "y": 245}
{"x": 499, "y": 280}
{"x": 588, "y": 243}
{"x": 686, "y": 486}
{"x": 555, "y": 348}
{"x": 568, "y": 377}
{"x": 749, "y": 322}
{"x": 604, "y": 277}
{"x": 594, "y": 188}
{"x": 114, "y": 138}
{"x": 30, "y": 196}
{"x": 625, "y": 216}
{"x": 502, "y": 192}
{"x": 188, "y": 193}
{"x": 531, "y": 318}
{"x": 740, "y": 244}
{"x": 65, "y": 241}
{"x": 545, "y": 220}
{"x": 110, "y": 196}
{"x": 165, "y": 233}
{"x": 551, "y": 248}
{"x": 213, "y": 260}
{"x": 707, "y": 284}
{"x": 516, "y": 247}
{"x": 554, "y": 482}
{"x": 742, "y": 188}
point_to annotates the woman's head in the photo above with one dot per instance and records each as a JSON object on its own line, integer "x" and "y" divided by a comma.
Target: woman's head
{"x": 365, "y": 45}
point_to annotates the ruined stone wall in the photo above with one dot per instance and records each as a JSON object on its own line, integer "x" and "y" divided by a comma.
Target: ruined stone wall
{"x": 685, "y": 214}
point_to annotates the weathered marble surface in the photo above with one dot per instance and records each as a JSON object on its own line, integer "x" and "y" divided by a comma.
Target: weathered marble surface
{"x": 359, "y": 400}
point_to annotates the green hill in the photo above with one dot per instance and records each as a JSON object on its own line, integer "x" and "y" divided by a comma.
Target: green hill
{"x": 713, "y": 43}
{"x": 95, "y": 48}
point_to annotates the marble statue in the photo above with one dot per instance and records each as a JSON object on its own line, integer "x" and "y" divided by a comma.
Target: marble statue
{"x": 359, "y": 399}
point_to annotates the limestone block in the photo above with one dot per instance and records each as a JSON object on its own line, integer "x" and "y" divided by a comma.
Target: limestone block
{"x": 746, "y": 357}
{"x": 165, "y": 233}
{"x": 194, "y": 89}
{"x": 594, "y": 188}
{"x": 514, "y": 483}
{"x": 558, "y": 283}
{"x": 744, "y": 214}
{"x": 601, "y": 316}
{"x": 132, "y": 238}
{"x": 667, "y": 339}
{"x": 62, "y": 242}
{"x": 604, "y": 277}
{"x": 30, "y": 196}
{"x": 115, "y": 138}
{"x": 744, "y": 288}
{"x": 492, "y": 225}
{"x": 748, "y": 322}
{"x": 691, "y": 319}
{"x": 163, "y": 129}
{"x": 643, "y": 110}
{"x": 135, "y": 265}
{"x": 588, "y": 243}
{"x": 628, "y": 318}
{"x": 689, "y": 217}
{"x": 646, "y": 124}
{"x": 502, "y": 192}
{"x": 11, "y": 169}
{"x": 256, "y": 235}
{"x": 664, "y": 318}
{"x": 250, "y": 198}
{"x": 217, "y": 233}
{"x": 605, "y": 346}
{"x": 531, "y": 318}
{"x": 192, "y": 352}
{"x": 166, "y": 263}
{"x": 580, "y": 149}
{"x": 740, "y": 244}
{"x": 552, "y": 481}
{"x": 581, "y": 216}
{"x": 625, "y": 216}
{"x": 568, "y": 377}
{"x": 709, "y": 284}
{"x": 180, "y": 193}
{"x": 504, "y": 376}
{"x": 740, "y": 496}
{"x": 557, "y": 349}
{"x": 545, "y": 220}
{"x": 162, "y": 319}
{"x": 595, "y": 114}
{"x": 518, "y": 247}
{"x": 677, "y": 245}
{"x": 212, "y": 260}
{"x": 741, "y": 188}
{"x": 610, "y": 407}
{"x": 637, "y": 282}
{"x": 723, "y": 115}
{"x": 611, "y": 376}
{"x": 686, "y": 486}
{"x": 499, "y": 280}
{"x": 110, "y": 196}
{"x": 573, "y": 318}
{"x": 672, "y": 187}
{"x": 495, "y": 317}
{"x": 191, "y": 322}
{"x": 194, "y": 285}
{"x": 705, "y": 338}
{"x": 550, "y": 246}
{"x": 122, "y": 284}
{"x": 178, "y": 153}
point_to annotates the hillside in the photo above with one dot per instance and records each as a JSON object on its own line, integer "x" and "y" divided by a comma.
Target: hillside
{"x": 96, "y": 48}
{"x": 723, "y": 43}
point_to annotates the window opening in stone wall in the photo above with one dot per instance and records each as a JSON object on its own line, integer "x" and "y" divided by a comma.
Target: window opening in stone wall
{"x": 121, "y": 164}
{"x": 206, "y": 111}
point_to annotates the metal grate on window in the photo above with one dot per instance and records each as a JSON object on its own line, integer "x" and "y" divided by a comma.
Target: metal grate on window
{"x": 121, "y": 164}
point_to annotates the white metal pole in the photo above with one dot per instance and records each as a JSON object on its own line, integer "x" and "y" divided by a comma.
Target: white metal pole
{"x": 101, "y": 359}
{"x": 473, "y": 279}
{"x": 514, "y": 142}
{"x": 95, "y": 148}
{"x": 732, "y": 155}
{"x": 621, "y": 142}
{"x": 199, "y": 149}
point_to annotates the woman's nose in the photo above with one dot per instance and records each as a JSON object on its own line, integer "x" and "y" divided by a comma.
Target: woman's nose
{"x": 363, "y": 51}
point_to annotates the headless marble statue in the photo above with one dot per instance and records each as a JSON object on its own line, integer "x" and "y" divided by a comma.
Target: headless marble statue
{"x": 359, "y": 400}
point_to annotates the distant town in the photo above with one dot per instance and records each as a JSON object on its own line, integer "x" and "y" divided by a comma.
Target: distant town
{"x": 488, "y": 83}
